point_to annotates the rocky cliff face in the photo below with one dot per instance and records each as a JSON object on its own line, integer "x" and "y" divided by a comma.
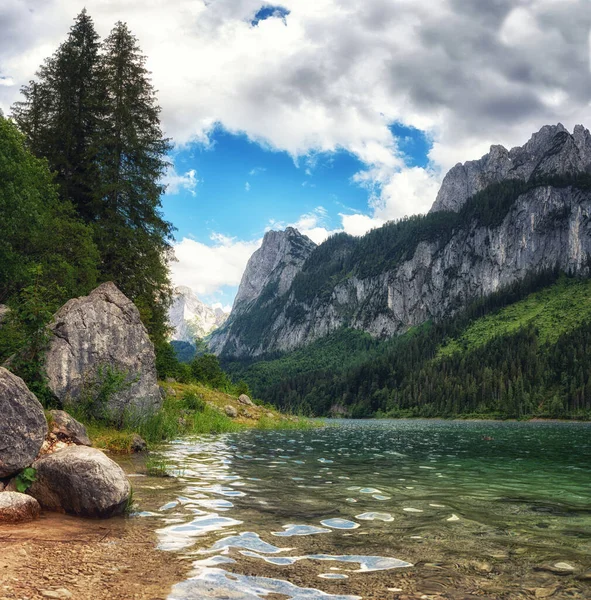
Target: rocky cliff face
{"x": 192, "y": 318}
{"x": 443, "y": 265}
{"x": 550, "y": 151}
{"x": 269, "y": 272}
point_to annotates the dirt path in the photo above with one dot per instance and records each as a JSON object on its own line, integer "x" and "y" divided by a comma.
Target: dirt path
{"x": 64, "y": 557}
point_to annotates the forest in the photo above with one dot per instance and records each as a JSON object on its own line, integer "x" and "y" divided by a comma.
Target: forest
{"x": 523, "y": 352}
{"x": 82, "y": 158}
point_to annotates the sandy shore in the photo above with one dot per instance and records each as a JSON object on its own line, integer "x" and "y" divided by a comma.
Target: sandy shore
{"x": 64, "y": 557}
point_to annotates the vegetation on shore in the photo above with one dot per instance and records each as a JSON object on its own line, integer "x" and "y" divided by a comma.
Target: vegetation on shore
{"x": 189, "y": 409}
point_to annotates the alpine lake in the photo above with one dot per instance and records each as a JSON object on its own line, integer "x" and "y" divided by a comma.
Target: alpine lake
{"x": 376, "y": 510}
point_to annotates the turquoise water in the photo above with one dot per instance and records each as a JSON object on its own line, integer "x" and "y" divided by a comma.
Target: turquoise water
{"x": 379, "y": 509}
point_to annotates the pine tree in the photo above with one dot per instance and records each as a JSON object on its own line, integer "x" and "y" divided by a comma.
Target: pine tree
{"x": 61, "y": 114}
{"x": 132, "y": 235}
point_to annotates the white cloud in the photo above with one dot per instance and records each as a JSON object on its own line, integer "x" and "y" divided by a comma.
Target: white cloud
{"x": 175, "y": 182}
{"x": 207, "y": 268}
{"x": 6, "y": 81}
{"x": 336, "y": 73}
{"x": 224, "y": 307}
{"x": 247, "y": 186}
{"x": 257, "y": 171}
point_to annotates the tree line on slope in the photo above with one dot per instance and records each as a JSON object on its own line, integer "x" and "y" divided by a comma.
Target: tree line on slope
{"x": 511, "y": 376}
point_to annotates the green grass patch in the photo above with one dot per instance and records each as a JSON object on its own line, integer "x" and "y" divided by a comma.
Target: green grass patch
{"x": 553, "y": 311}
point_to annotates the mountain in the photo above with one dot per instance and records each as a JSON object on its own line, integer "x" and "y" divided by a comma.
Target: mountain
{"x": 269, "y": 275}
{"x": 496, "y": 221}
{"x": 191, "y": 318}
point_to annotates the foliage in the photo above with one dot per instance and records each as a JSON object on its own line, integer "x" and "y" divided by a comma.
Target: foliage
{"x": 92, "y": 113}
{"x": 521, "y": 352}
{"x": 41, "y": 240}
{"x": 25, "y": 479}
{"x": 157, "y": 467}
{"x": 206, "y": 369}
{"x": 184, "y": 351}
{"x": 98, "y": 395}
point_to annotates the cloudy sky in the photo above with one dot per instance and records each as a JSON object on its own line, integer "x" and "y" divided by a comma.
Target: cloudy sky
{"x": 325, "y": 114}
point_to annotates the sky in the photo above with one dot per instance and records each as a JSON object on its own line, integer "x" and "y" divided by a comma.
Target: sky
{"x": 327, "y": 115}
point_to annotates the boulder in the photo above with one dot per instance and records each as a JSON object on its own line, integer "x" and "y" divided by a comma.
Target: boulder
{"x": 97, "y": 333}
{"x": 231, "y": 411}
{"x": 66, "y": 428}
{"x": 244, "y": 399}
{"x": 4, "y": 312}
{"x": 138, "y": 444}
{"x": 23, "y": 426}
{"x": 80, "y": 481}
{"x": 18, "y": 508}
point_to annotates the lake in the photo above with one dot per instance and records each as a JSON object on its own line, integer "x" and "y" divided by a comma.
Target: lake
{"x": 378, "y": 509}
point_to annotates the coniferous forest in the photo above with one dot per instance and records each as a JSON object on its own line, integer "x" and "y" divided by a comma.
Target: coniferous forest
{"x": 82, "y": 161}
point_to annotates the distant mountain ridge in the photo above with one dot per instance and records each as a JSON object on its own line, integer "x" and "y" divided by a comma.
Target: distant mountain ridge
{"x": 495, "y": 221}
{"x": 191, "y": 318}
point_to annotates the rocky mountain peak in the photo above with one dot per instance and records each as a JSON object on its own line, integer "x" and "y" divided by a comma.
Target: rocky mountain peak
{"x": 191, "y": 318}
{"x": 277, "y": 261}
{"x": 550, "y": 151}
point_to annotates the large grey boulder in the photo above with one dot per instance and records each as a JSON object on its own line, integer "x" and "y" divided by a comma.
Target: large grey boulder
{"x": 80, "y": 481}
{"x": 18, "y": 508}
{"x": 23, "y": 426}
{"x": 98, "y": 332}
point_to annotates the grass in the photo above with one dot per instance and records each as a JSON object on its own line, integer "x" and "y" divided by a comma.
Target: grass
{"x": 190, "y": 409}
{"x": 553, "y": 311}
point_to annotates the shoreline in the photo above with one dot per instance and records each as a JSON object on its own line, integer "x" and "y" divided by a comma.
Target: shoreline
{"x": 59, "y": 556}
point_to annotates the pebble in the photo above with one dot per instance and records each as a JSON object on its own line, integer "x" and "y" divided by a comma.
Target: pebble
{"x": 60, "y": 594}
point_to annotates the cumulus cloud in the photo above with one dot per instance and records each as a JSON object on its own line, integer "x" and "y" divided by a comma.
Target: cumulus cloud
{"x": 206, "y": 268}
{"x": 175, "y": 183}
{"x": 322, "y": 75}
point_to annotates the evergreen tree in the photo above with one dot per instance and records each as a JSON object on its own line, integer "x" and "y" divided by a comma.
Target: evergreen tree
{"x": 61, "y": 114}
{"x": 131, "y": 233}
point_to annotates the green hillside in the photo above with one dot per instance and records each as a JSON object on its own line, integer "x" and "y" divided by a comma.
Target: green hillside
{"x": 553, "y": 311}
{"x": 523, "y": 352}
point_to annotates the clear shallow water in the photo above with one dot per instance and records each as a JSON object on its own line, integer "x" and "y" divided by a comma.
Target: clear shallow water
{"x": 375, "y": 509}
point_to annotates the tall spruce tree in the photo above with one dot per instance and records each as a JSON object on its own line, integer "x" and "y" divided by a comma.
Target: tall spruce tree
{"x": 61, "y": 114}
{"x": 93, "y": 114}
{"x": 132, "y": 235}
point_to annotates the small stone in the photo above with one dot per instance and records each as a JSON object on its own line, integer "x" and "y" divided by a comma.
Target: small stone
{"x": 61, "y": 593}
{"x": 559, "y": 568}
{"x": 18, "y": 508}
{"x": 65, "y": 427}
{"x": 231, "y": 411}
{"x": 244, "y": 399}
{"x": 138, "y": 444}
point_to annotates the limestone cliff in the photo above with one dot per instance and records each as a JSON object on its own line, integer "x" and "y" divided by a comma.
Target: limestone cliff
{"x": 494, "y": 222}
{"x": 550, "y": 151}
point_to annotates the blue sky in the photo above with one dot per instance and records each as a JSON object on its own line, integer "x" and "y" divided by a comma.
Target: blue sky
{"x": 339, "y": 115}
{"x": 232, "y": 188}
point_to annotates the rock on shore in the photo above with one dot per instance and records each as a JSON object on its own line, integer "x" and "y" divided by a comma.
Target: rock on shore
{"x": 102, "y": 331}
{"x": 23, "y": 426}
{"x": 80, "y": 481}
{"x": 18, "y": 508}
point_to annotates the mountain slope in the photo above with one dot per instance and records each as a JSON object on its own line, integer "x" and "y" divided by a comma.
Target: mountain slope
{"x": 516, "y": 353}
{"x": 269, "y": 274}
{"x": 532, "y": 215}
{"x": 191, "y": 318}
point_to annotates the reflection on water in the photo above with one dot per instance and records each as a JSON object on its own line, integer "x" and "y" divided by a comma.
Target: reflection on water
{"x": 367, "y": 509}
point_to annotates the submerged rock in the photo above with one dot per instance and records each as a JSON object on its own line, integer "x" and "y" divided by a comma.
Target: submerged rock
{"x": 65, "y": 427}
{"x": 81, "y": 481}
{"x": 98, "y": 336}
{"x": 22, "y": 424}
{"x": 18, "y": 508}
